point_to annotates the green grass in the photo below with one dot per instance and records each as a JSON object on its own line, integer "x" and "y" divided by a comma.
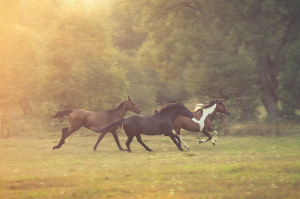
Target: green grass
{"x": 238, "y": 167}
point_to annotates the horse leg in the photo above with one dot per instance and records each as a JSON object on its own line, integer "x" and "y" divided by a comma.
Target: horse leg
{"x": 66, "y": 132}
{"x": 129, "y": 140}
{"x": 184, "y": 144}
{"x": 99, "y": 140}
{"x": 174, "y": 138}
{"x": 215, "y": 137}
{"x": 205, "y": 131}
{"x": 114, "y": 133}
{"x": 139, "y": 139}
{"x": 62, "y": 140}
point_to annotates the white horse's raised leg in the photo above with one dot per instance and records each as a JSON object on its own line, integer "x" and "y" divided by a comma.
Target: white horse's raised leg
{"x": 215, "y": 137}
{"x": 184, "y": 144}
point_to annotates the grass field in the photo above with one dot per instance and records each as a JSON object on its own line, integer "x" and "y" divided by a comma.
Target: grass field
{"x": 238, "y": 167}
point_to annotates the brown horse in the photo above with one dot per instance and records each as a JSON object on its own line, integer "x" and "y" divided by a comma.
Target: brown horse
{"x": 82, "y": 118}
{"x": 202, "y": 121}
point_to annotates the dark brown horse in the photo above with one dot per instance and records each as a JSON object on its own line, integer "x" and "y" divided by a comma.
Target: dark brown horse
{"x": 159, "y": 123}
{"x": 202, "y": 121}
{"x": 82, "y": 118}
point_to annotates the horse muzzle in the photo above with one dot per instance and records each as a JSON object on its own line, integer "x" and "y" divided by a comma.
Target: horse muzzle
{"x": 138, "y": 112}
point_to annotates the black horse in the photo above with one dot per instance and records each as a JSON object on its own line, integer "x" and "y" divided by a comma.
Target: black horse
{"x": 159, "y": 123}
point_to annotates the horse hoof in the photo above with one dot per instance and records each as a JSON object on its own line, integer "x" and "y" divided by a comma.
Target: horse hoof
{"x": 54, "y": 147}
{"x": 214, "y": 144}
{"x": 150, "y": 150}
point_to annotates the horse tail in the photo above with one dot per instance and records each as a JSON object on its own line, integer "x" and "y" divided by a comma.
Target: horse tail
{"x": 107, "y": 127}
{"x": 61, "y": 114}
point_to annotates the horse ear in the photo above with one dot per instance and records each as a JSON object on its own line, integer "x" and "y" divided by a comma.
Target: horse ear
{"x": 129, "y": 98}
{"x": 220, "y": 101}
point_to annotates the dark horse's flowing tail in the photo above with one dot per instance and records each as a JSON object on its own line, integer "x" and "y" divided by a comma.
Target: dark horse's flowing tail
{"x": 61, "y": 114}
{"x": 107, "y": 127}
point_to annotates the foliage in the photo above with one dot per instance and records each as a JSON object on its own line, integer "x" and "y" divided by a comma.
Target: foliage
{"x": 212, "y": 44}
{"x": 93, "y": 54}
{"x": 290, "y": 82}
{"x": 80, "y": 58}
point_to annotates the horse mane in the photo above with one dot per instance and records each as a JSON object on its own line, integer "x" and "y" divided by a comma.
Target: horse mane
{"x": 168, "y": 107}
{"x": 121, "y": 104}
{"x": 198, "y": 106}
{"x": 210, "y": 104}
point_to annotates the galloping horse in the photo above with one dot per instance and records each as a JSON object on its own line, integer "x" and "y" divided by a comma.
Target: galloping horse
{"x": 159, "y": 123}
{"x": 202, "y": 121}
{"x": 82, "y": 118}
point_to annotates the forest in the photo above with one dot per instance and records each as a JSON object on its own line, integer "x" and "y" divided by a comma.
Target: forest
{"x": 92, "y": 54}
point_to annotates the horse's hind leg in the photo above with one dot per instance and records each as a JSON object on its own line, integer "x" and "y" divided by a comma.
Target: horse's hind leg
{"x": 129, "y": 140}
{"x": 139, "y": 139}
{"x": 66, "y": 132}
{"x": 62, "y": 140}
{"x": 99, "y": 140}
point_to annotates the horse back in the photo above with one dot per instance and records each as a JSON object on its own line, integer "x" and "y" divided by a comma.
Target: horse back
{"x": 87, "y": 118}
{"x": 148, "y": 125}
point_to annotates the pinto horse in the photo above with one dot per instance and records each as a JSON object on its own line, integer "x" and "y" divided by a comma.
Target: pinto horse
{"x": 159, "y": 123}
{"x": 82, "y": 118}
{"x": 202, "y": 121}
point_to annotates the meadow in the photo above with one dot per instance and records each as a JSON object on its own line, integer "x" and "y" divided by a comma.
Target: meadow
{"x": 237, "y": 167}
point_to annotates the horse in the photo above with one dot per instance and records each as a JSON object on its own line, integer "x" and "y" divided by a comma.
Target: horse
{"x": 202, "y": 121}
{"x": 159, "y": 123}
{"x": 82, "y": 118}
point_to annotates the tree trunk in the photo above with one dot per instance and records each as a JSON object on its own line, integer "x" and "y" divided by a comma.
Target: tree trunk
{"x": 268, "y": 84}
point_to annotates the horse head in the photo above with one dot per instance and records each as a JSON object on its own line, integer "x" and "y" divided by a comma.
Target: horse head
{"x": 221, "y": 107}
{"x": 131, "y": 106}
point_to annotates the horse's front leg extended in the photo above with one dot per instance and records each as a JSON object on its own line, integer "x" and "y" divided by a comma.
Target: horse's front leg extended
{"x": 99, "y": 140}
{"x": 205, "y": 131}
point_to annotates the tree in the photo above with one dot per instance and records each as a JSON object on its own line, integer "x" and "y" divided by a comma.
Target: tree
{"x": 83, "y": 68}
{"x": 289, "y": 93}
{"x": 234, "y": 47}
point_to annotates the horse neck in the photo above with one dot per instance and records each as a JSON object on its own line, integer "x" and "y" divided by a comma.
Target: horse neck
{"x": 121, "y": 110}
{"x": 172, "y": 114}
{"x": 210, "y": 111}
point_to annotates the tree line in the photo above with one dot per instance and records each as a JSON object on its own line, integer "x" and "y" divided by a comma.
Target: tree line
{"x": 92, "y": 54}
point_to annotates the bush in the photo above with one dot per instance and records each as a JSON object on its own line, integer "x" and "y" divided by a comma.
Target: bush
{"x": 282, "y": 128}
